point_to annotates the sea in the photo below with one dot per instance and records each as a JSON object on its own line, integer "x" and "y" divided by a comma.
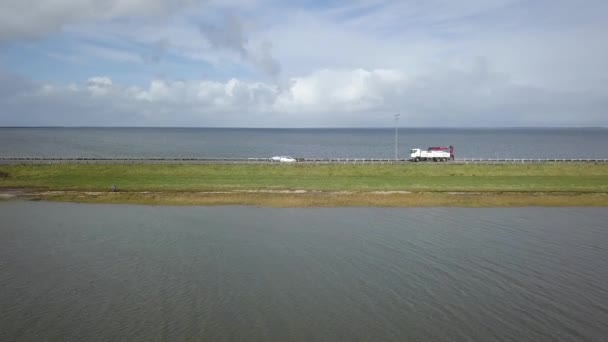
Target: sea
{"x": 84, "y": 272}
{"x": 59, "y": 142}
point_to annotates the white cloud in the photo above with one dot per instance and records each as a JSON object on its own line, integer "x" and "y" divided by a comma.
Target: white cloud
{"x": 475, "y": 96}
{"x": 31, "y": 18}
{"x": 472, "y": 62}
{"x": 232, "y": 35}
{"x": 529, "y": 42}
{"x": 98, "y": 86}
{"x": 233, "y": 95}
{"x": 341, "y": 90}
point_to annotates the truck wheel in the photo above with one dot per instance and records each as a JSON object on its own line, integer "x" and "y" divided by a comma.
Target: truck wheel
{"x": 417, "y": 159}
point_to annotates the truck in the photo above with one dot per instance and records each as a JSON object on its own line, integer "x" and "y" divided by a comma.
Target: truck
{"x": 435, "y": 154}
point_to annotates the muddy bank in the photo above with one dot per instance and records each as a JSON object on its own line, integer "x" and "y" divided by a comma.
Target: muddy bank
{"x": 307, "y": 198}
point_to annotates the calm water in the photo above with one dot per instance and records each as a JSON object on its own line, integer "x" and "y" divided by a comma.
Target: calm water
{"x": 242, "y": 143}
{"x": 75, "y": 272}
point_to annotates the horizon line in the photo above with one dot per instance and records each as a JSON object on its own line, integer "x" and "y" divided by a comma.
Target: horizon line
{"x": 326, "y": 127}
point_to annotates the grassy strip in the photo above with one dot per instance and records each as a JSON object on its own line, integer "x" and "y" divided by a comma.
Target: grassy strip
{"x": 408, "y": 177}
{"x": 336, "y": 199}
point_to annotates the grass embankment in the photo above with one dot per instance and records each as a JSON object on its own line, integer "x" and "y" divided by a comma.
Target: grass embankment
{"x": 431, "y": 184}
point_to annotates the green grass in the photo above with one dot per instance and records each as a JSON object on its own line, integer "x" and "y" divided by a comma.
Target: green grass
{"x": 411, "y": 177}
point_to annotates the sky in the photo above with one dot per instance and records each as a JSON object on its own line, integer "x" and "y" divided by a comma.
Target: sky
{"x": 272, "y": 63}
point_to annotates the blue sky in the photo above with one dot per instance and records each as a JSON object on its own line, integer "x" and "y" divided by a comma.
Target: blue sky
{"x": 263, "y": 63}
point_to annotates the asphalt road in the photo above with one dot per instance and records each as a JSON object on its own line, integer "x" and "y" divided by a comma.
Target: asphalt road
{"x": 16, "y": 161}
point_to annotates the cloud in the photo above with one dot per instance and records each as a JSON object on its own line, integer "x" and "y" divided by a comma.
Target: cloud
{"x": 473, "y": 96}
{"x": 30, "y": 19}
{"x": 98, "y": 86}
{"x": 230, "y": 34}
{"x": 262, "y": 58}
{"x": 342, "y": 90}
{"x": 470, "y": 63}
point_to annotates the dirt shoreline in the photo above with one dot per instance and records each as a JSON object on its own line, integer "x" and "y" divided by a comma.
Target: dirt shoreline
{"x": 315, "y": 198}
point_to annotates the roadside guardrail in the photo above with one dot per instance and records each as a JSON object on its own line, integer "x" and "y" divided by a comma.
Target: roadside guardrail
{"x": 52, "y": 160}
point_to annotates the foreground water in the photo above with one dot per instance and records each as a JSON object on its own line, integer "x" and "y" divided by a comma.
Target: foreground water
{"x": 310, "y": 143}
{"x": 75, "y": 272}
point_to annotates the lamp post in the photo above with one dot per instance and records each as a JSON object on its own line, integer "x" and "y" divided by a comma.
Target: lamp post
{"x": 396, "y": 136}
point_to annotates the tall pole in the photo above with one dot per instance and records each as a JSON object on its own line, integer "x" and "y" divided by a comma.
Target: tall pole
{"x": 396, "y": 136}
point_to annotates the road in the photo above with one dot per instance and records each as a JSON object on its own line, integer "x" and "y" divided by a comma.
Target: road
{"x": 16, "y": 161}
